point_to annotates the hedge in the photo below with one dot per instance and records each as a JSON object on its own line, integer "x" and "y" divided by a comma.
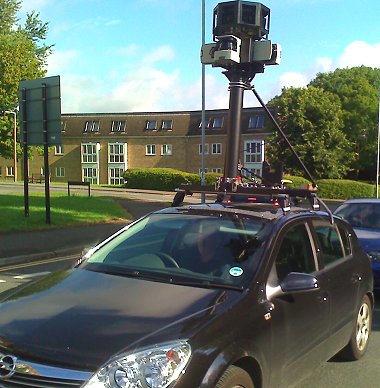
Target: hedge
{"x": 165, "y": 179}
{"x": 168, "y": 179}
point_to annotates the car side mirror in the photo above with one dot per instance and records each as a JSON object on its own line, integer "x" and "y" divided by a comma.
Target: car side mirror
{"x": 296, "y": 281}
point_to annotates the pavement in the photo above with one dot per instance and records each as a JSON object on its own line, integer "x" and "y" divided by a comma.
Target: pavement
{"x": 23, "y": 247}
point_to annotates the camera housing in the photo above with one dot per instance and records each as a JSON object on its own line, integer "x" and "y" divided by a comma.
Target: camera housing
{"x": 240, "y": 33}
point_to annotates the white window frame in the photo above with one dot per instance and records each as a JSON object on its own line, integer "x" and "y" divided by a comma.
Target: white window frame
{"x": 92, "y": 126}
{"x": 150, "y": 150}
{"x": 167, "y": 124}
{"x": 118, "y": 126}
{"x": 60, "y": 172}
{"x": 256, "y": 121}
{"x": 89, "y": 157}
{"x": 10, "y": 171}
{"x": 166, "y": 150}
{"x": 217, "y": 120}
{"x": 216, "y": 148}
{"x": 216, "y": 170}
{"x": 206, "y": 149}
{"x": 116, "y": 152}
{"x": 151, "y": 125}
{"x": 93, "y": 177}
{"x": 205, "y": 170}
{"x": 253, "y": 152}
{"x": 58, "y": 149}
{"x": 116, "y": 175}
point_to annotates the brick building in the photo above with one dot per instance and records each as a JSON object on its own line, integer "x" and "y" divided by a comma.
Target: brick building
{"x": 100, "y": 147}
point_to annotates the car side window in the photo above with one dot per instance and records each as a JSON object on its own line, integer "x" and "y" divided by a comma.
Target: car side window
{"x": 330, "y": 242}
{"x": 295, "y": 253}
{"x": 346, "y": 241}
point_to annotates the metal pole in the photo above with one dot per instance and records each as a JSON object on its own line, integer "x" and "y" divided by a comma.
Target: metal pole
{"x": 14, "y": 143}
{"x": 46, "y": 154}
{"x": 378, "y": 152}
{"x": 203, "y": 141}
{"x": 237, "y": 87}
{"x": 25, "y": 152}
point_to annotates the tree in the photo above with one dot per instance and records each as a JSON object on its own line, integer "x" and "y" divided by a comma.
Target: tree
{"x": 23, "y": 55}
{"x": 357, "y": 89}
{"x": 312, "y": 120}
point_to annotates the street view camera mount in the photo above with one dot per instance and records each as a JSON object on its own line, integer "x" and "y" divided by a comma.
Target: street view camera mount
{"x": 242, "y": 48}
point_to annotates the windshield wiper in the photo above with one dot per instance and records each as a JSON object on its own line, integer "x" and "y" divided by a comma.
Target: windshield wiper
{"x": 206, "y": 284}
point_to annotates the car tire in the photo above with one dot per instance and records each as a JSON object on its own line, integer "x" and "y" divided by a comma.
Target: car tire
{"x": 235, "y": 377}
{"x": 360, "y": 337}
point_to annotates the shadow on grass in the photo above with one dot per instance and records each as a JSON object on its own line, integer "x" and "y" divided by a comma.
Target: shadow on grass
{"x": 64, "y": 211}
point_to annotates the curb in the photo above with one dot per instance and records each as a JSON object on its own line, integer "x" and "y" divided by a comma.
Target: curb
{"x": 24, "y": 259}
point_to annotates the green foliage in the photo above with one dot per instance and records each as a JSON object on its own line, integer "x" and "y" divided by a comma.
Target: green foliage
{"x": 357, "y": 89}
{"x": 64, "y": 211}
{"x": 297, "y": 181}
{"x": 165, "y": 179}
{"x": 312, "y": 121}
{"x": 344, "y": 189}
{"x": 22, "y": 56}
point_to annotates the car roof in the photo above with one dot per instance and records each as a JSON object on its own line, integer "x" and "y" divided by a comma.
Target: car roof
{"x": 362, "y": 200}
{"x": 265, "y": 211}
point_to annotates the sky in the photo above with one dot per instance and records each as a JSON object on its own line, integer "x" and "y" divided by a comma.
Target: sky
{"x": 144, "y": 55}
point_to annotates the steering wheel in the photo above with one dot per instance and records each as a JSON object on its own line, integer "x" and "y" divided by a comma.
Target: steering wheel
{"x": 167, "y": 259}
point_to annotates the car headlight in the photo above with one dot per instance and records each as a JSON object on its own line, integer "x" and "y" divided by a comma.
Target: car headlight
{"x": 154, "y": 367}
{"x": 374, "y": 256}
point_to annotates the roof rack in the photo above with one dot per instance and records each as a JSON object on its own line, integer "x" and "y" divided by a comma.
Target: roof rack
{"x": 282, "y": 195}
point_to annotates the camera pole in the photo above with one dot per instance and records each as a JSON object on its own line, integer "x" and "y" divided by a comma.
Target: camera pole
{"x": 237, "y": 87}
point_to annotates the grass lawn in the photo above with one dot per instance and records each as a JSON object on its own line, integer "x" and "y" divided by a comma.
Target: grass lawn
{"x": 64, "y": 211}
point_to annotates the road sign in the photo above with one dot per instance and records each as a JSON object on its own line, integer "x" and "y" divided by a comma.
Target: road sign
{"x": 40, "y": 110}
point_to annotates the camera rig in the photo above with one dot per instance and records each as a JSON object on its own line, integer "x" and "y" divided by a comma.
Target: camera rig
{"x": 241, "y": 47}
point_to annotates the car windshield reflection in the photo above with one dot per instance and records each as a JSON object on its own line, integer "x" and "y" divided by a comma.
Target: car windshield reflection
{"x": 361, "y": 215}
{"x": 185, "y": 249}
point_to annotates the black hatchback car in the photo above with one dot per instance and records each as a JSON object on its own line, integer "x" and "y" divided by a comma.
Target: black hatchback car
{"x": 195, "y": 296}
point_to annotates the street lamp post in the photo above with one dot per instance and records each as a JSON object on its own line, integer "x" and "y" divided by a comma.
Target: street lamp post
{"x": 14, "y": 142}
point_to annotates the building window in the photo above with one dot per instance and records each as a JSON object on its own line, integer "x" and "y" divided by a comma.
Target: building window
{"x": 89, "y": 154}
{"x": 10, "y": 171}
{"x": 116, "y": 153}
{"x": 92, "y": 126}
{"x": 217, "y": 122}
{"x": 216, "y": 148}
{"x": 118, "y": 126}
{"x": 63, "y": 126}
{"x": 216, "y": 170}
{"x": 90, "y": 174}
{"x": 205, "y": 170}
{"x": 166, "y": 149}
{"x": 206, "y": 149}
{"x": 151, "y": 124}
{"x": 60, "y": 172}
{"x": 167, "y": 124}
{"x": 206, "y": 124}
{"x": 253, "y": 152}
{"x": 58, "y": 150}
{"x": 116, "y": 176}
{"x": 150, "y": 149}
{"x": 256, "y": 121}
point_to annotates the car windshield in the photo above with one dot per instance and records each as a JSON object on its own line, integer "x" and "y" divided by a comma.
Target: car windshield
{"x": 361, "y": 215}
{"x": 186, "y": 248}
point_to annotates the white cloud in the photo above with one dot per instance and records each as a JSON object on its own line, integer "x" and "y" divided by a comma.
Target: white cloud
{"x": 360, "y": 53}
{"x": 61, "y": 61}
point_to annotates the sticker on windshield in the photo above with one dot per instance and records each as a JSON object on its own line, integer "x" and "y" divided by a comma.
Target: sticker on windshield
{"x": 236, "y": 271}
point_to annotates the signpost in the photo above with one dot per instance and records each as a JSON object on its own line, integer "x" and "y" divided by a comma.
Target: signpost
{"x": 40, "y": 117}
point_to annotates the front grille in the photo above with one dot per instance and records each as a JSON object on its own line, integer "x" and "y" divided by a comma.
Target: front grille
{"x": 24, "y": 380}
{"x": 15, "y": 372}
